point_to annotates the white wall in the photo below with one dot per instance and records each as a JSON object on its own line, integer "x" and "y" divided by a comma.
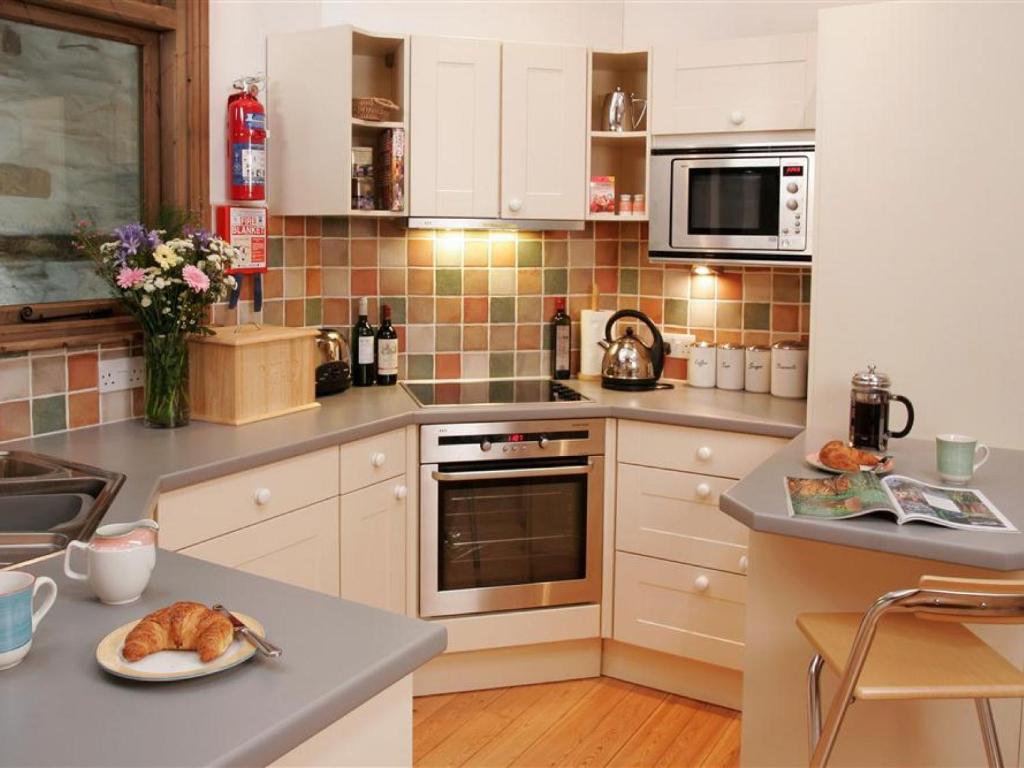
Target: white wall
{"x": 919, "y": 265}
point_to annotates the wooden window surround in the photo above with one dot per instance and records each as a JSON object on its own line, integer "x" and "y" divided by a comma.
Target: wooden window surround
{"x": 174, "y": 43}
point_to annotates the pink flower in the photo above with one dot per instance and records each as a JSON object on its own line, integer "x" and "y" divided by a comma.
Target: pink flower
{"x": 129, "y": 277}
{"x": 195, "y": 278}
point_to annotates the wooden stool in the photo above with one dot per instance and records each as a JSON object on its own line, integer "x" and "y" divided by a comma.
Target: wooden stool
{"x": 919, "y": 650}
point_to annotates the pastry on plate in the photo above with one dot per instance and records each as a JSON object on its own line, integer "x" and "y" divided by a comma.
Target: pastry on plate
{"x": 837, "y": 455}
{"x": 180, "y": 627}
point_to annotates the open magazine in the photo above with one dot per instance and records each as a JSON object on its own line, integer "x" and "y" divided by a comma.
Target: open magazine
{"x": 862, "y": 493}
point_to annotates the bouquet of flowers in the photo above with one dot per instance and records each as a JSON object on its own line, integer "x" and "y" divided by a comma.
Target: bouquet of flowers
{"x": 166, "y": 278}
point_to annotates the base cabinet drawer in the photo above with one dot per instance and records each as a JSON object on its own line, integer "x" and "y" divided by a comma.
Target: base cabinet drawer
{"x": 373, "y": 547}
{"x": 299, "y": 548}
{"x": 675, "y": 516}
{"x": 371, "y": 460}
{"x": 696, "y": 613}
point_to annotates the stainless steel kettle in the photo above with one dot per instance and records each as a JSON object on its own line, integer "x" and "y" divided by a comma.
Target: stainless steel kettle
{"x": 333, "y": 373}
{"x": 628, "y": 363}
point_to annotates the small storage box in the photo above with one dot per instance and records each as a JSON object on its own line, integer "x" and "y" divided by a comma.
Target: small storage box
{"x": 244, "y": 373}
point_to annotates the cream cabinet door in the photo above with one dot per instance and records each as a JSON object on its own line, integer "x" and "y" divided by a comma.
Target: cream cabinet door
{"x": 455, "y": 128}
{"x": 741, "y": 84}
{"x": 544, "y": 131}
{"x": 299, "y": 548}
{"x": 373, "y": 545}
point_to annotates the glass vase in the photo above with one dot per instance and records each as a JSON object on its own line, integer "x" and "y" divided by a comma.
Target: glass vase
{"x": 166, "y": 380}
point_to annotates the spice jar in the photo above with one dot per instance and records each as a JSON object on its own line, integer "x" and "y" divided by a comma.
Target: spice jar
{"x": 625, "y": 205}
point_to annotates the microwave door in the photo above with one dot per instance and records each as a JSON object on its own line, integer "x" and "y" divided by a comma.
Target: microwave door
{"x": 725, "y": 204}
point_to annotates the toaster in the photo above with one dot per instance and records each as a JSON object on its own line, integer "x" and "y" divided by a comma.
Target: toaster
{"x": 333, "y": 372}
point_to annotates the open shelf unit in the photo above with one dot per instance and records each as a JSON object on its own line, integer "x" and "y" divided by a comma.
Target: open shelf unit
{"x": 623, "y": 154}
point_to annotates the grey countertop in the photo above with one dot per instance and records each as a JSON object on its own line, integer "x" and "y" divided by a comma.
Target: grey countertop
{"x": 58, "y": 707}
{"x": 759, "y": 502}
{"x": 160, "y": 460}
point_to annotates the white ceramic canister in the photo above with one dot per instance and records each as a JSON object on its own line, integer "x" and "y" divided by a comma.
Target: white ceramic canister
{"x": 758, "y": 372}
{"x": 730, "y": 366}
{"x": 701, "y": 368}
{"x": 789, "y": 369}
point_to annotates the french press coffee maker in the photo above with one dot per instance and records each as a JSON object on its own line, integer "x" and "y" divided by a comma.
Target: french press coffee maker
{"x": 869, "y": 411}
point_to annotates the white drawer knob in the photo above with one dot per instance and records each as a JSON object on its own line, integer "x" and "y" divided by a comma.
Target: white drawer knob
{"x": 702, "y": 583}
{"x": 262, "y": 496}
{"x": 515, "y": 204}
{"x": 378, "y": 459}
{"x": 703, "y": 490}
{"x": 401, "y": 492}
{"x": 704, "y": 453}
{"x": 743, "y": 564}
{"x": 737, "y": 117}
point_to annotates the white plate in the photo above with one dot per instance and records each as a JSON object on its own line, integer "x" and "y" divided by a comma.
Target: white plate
{"x": 165, "y": 666}
{"x": 879, "y": 469}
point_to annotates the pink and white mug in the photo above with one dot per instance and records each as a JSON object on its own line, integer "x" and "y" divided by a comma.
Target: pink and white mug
{"x": 119, "y": 560}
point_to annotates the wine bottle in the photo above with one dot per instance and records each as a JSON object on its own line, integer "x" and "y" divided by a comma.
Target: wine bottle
{"x": 560, "y": 331}
{"x": 363, "y": 369}
{"x": 387, "y": 349}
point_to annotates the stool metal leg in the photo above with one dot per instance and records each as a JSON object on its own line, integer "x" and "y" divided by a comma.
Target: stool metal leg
{"x": 988, "y": 733}
{"x": 814, "y": 702}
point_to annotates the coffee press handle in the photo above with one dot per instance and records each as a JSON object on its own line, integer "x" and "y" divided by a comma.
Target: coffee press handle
{"x": 910, "y": 416}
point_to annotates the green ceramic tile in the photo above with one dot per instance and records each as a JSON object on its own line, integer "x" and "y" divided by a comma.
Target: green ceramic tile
{"x": 448, "y": 338}
{"x": 675, "y": 312}
{"x": 546, "y": 338}
{"x": 628, "y": 281}
{"x": 397, "y": 304}
{"x": 48, "y": 414}
{"x": 503, "y": 309}
{"x": 728, "y": 315}
{"x": 529, "y": 253}
{"x": 805, "y": 287}
{"x": 756, "y": 317}
{"x": 502, "y": 364}
{"x": 275, "y": 252}
{"x": 421, "y": 367}
{"x": 314, "y": 312}
{"x": 556, "y": 281}
{"x": 335, "y": 226}
{"x": 449, "y": 282}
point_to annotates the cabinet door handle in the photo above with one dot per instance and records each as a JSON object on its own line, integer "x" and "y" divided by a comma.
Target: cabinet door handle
{"x": 262, "y": 496}
{"x": 702, "y": 583}
{"x": 704, "y": 453}
{"x": 401, "y": 492}
{"x": 378, "y": 459}
{"x": 703, "y": 490}
{"x": 514, "y": 204}
{"x": 737, "y": 117}
{"x": 743, "y": 564}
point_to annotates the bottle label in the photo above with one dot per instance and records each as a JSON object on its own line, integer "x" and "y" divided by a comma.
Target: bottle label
{"x": 387, "y": 363}
{"x": 248, "y": 164}
{"x": 364, "y": 355}
{"x": 562, "y": 347}
{"x": 255, "y": 121}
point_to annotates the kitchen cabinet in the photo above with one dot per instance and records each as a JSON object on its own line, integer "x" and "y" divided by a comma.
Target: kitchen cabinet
{"x": 373, "y": 530}
{"x": 368, "y": 461}
{"x": 544, "y": 131}
{"x": 456, "y": 96}
{"x": 299, "y": 548}
{"x": 739, "y": 84}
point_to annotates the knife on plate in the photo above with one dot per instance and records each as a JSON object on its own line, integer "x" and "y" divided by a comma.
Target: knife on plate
{"x": 264, "y": 646}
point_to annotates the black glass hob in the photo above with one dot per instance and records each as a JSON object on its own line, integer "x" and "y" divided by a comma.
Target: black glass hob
{"x": 491, "y": 392}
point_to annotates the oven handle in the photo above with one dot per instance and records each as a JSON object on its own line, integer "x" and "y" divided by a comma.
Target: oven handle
{"x": 514, "y": 474}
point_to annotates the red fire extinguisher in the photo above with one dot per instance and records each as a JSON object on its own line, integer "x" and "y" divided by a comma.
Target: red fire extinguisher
{"x": 247, "y": 142}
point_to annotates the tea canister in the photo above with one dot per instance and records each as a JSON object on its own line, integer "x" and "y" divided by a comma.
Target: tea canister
{"x": 730, "y": 366}
{"x": 701, "y": 371}
{"x": 789, "y": 369}
{"x": 758, "y": 371}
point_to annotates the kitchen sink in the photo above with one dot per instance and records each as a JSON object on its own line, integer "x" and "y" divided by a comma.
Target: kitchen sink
{"x": 46, "y": 502}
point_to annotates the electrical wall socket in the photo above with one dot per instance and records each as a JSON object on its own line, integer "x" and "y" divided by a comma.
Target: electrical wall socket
{"x": 680, "y": 344}
{"x": 121, "y": 373}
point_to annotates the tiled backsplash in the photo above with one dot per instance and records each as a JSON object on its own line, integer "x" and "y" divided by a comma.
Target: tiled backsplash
{"x": 465, "y": 304}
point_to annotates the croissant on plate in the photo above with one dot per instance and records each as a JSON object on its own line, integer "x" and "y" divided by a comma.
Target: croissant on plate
{"x": 838, "y": 455}
{"x": 182, "y": 626}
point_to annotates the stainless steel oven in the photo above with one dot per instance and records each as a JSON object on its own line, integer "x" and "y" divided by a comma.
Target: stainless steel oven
{"x": 510, "y": 515}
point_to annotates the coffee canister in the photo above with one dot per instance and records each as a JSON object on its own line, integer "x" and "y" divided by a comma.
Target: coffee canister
{"x": 730, "y": 366}
{"x": 789, "y": 369}
{"x": 758, "y": 371}
{"x": 701, "y": 369}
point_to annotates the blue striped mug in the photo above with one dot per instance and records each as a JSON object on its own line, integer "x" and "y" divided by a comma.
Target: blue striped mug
{"x": 18, "y": 621}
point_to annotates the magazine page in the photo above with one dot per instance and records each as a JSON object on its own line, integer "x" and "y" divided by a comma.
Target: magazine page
{"x": 965, "y": 508}
{"x": 837, "y": 497}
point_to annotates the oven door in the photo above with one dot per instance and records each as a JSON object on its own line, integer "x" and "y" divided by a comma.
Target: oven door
{"x": 725, "y": 203}
{"x": 503, "y": 535}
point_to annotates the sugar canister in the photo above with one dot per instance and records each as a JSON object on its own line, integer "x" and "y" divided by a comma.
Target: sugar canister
{"x": 758, "y": 371}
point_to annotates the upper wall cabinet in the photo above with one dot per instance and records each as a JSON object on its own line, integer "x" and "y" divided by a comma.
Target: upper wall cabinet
{"x": 741, "y": 84}
{"x": 544, "y": 132}
{"x": 456, "y": 98}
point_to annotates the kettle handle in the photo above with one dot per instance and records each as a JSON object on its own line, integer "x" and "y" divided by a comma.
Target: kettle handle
{"x": 657, "y": 349}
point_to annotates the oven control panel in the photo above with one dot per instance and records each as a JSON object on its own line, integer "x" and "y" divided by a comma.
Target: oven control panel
{"x": 511, "y": 440}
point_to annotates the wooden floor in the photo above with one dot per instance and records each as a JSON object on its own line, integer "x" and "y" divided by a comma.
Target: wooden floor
{"x": 594, "y": 722}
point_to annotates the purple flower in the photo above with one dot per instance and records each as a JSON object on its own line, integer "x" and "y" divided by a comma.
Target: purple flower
{"x": 201, "y": 236}
{"x": 195, "y": 278}
{"x": 153, "y": 238}
{"x": 130, "y": 238}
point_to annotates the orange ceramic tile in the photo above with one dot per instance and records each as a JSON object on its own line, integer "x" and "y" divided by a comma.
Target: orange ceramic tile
{"x": 392, "y": 282}
{"x": 529, "y": 282}
{"x": 677, "y": 283}
{"x": 362, "y": 227}
{"x": 756, "y": 337}
{"x": 15, "y": 420}
{"x": 730, "y": 285}
{"x": 313, "y": 228}
{"x": 475, "y": 282}
{"x": 313, "y": 251}
{"x": 363, "y": 252}
{"x": 704, "y": 334}
{"x": 475, "y": 309}
{"x": 607, "y": 280}
{"x": 528, "y": 337}
{"x": 556, "y": 234}
{"x": 475, "y": 253}
{"x": 702, "y": 286}
{"x": 653, "y": 307}
{"x": 576, "y": 305}
{"x": 275, "y": 225}
{"x": 421, "y": 281}
{"x": 644, "y": 228}
{"x": 273, "y": 312}
{"x": 420, "y": 310}
{"x": 392, "y": 228}
{"x": 295, "y": 225}
{"x": 364, "y": 282}
{"x": 83, "y": 409}
{"x": 629, "y": 254}
{"x": 295, "y": 312}
{"x": 629, "y": 230}
{"x": 503, "y": 338}
{"x": 335, "y": 311}
{"x": 247, "y": 288}
{"x": 83, "y": 371}
{"x": 606, "y": 230}
{"x": 474, "y": 338}
{"x": 556, "y": 254}
{"x": 448, "y": 366}
{"x": 421, "y": 253}
{"x": 549, "y": 307}
{"x": 675, "y": 368}
{"x": 729, "y": 337}
{"x": 273, "y": 284}
{"x": 652, "y": 282}
{"x": 785, "y": 318}
{"x": 448, "y": 309}
{"x": 313, "y": 282}
{"x": 581, "y": 280}
{"x": 503, "y": 253}
{"x": 628, "y": 302}
{"x": 606, "y": 253}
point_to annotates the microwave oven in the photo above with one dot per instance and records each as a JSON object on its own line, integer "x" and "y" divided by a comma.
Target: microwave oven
{"x": 732, "y": 205}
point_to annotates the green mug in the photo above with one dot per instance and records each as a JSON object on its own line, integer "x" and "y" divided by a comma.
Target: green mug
{"x": 957, "y": 457}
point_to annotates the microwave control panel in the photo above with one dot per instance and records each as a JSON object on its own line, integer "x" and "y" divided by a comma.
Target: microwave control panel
{"x": 793, "y": 214}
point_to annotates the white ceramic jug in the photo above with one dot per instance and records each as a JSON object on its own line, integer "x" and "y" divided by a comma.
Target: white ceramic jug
{"x": 119, "y": 560}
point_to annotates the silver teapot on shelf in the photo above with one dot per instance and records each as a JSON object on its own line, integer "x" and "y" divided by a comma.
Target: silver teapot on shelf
{"x": 620, "y": 111}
